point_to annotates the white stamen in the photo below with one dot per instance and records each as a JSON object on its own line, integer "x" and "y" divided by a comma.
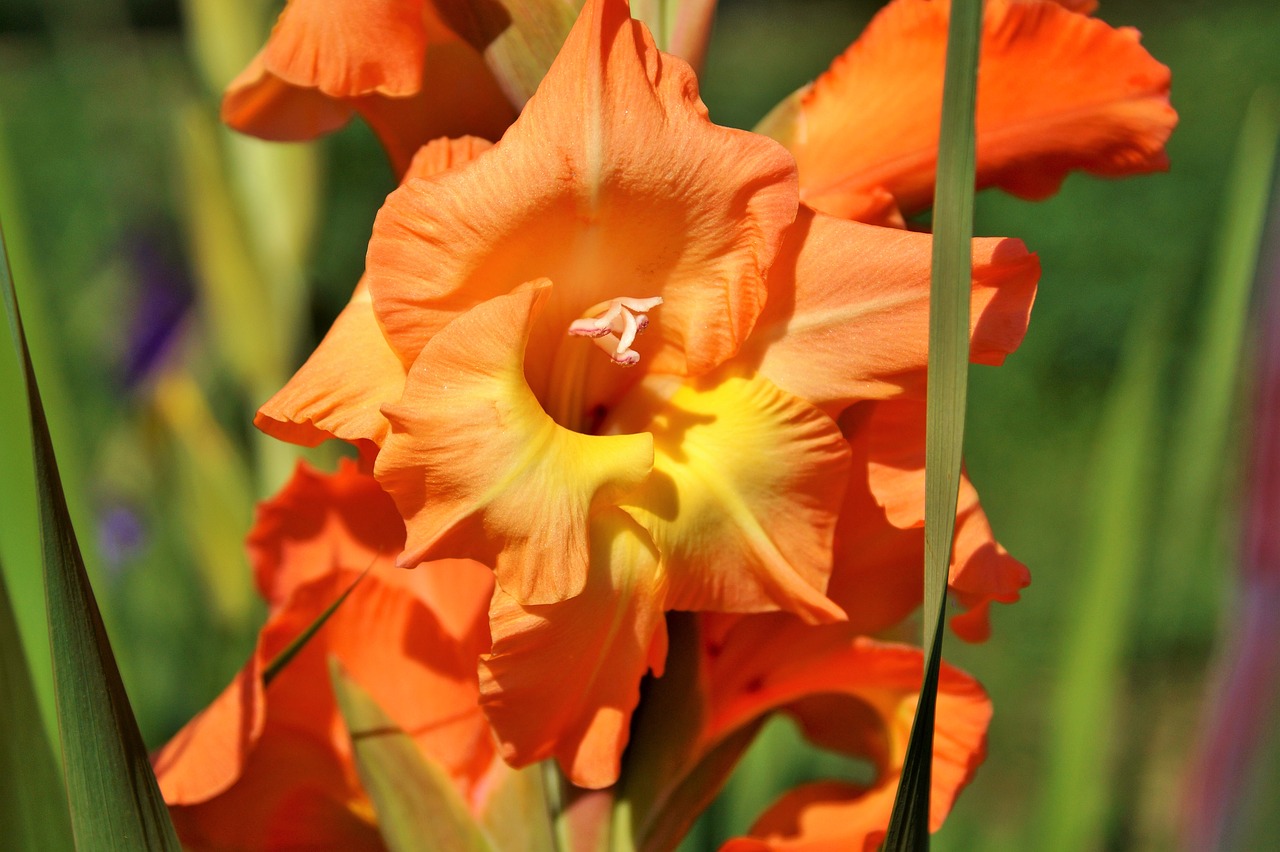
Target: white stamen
{"x": 614, "y": 324}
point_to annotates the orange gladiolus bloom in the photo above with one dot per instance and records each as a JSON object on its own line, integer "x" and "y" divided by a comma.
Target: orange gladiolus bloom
{"x": 271, "y": 767}
{"x": 397, "y": 63}
{"x": 711, "y": 475}
{"x": 1057, "y": 91}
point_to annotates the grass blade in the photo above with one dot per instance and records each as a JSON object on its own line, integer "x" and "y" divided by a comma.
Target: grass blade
{"x": 280, "y": 660}
{"x": 112, "y": 791}
{"x": 948, "y": 387}
{"x": 33, "y": 804}
{"x": 417, "y": 804}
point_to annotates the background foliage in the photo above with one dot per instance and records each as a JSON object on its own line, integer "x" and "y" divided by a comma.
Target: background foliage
{"x": 106, "y": 133}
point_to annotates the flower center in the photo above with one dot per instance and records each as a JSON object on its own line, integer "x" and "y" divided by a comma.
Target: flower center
{"x": 613, "y": 326}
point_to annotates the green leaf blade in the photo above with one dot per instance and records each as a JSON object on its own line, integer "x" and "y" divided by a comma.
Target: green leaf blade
{"x": 33, "y": 803}
{"x": 114, "y": 800}
{"x": 419, "y": 810}
{"x": 948, "y": 375}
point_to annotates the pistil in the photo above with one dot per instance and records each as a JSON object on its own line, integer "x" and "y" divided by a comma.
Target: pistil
{"x": 613, "y": 326}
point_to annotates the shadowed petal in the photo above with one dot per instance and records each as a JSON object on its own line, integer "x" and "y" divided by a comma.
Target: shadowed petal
{"x": 346, "y": 49}
{"x": 320, "y": 523}
{"x": 981, "y": 570}
{"x": 261, "y": 104}
{"x": 849, "y": 694}
{"x": 563, "y": 679}
{"x": 478, "y": 469}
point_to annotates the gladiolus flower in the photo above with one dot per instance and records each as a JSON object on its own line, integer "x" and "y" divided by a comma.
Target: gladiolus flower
{"x": 271, "y": 766}
{"x": 708, "y": 475}
{"x": 397, "y": 64}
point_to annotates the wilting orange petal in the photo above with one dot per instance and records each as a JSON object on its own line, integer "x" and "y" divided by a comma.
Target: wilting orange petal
{"x": 848, "y": 310}
{"x": 563, "y": 680}
{"x": 1057, "y": 91}
{"x": 981, "y": 569}
{"x": 340, "y": 390}
{"x": 852, "y": 694}
{"x": 478, "y": 469}
{"x": 613, "y": 182}
{"x": 746, "y": 484}
{"x": 347, "y": 49}
{"x": 259, "y": 103}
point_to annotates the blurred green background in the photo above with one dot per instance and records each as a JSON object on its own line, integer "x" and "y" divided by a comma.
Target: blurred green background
{"x": 1107, "y": 450}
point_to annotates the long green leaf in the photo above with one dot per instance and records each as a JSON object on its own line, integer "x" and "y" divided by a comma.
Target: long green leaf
{"x": 1115, "y": 535}
{"x": 33, "y": 803}
{"x": 948, "y": 377}
{"x": 419, "y": 810}
{"x": 515, "y": 812}
{"x": 112, "y": 791}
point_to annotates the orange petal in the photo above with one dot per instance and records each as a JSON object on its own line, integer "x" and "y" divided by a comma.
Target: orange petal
{"x": 981, "y": 570}
{"x": 742, "y": 502}
{"x": 440, "y": 155}
{"x": 850, "y": 693}
{"x": 278, "y": 759}
{"x": 455, "y": 96}
{"x": 347, "y": 49}
{"x": 612, "y": 183}
{"x": 292, "y": 795}
{"x": 848, "y": 311}
{"x": 478, "y": 469}
{"x": 259, "y": 103}
{"x": 318, "y": 524}
{"x": 563, "y": 679}
{"x": 1057, "y": 91}
{"x": 211, "y": 751}
{"x": 339, "y": 391}
{"x": 877, "y": 575}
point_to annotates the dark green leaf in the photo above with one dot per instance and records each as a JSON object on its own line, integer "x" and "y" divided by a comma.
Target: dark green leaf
{"x": 33, "y": 803}
{"x": 668, "y": 778}
{"x": 291, "y": 650}
{"x": 948, "y": 386}
{"x": 418, "y": 807}
{"x": 115, "y": 803}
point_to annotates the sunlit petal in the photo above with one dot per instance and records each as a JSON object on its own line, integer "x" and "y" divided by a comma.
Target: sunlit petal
{"x": 746, "y": 484}
{"x": 848, "y": 310}
{"x": 478, "y": 469}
